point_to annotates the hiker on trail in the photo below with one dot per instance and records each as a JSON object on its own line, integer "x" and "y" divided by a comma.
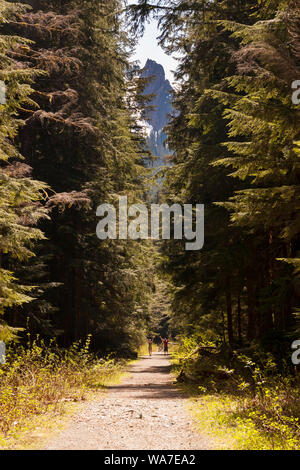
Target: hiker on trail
{"x": 166, "y": 345}
{"x": 150, "y": 344}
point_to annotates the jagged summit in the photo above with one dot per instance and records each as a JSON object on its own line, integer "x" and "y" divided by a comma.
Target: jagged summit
{"x": 158, "y": 117}
{"x": 153, "y": 68}
{"x": 162, "y": 90}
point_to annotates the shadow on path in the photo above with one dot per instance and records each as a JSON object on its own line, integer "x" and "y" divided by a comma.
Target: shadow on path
{"x": 145, "y": 412}
{"x": 150, "y": 379}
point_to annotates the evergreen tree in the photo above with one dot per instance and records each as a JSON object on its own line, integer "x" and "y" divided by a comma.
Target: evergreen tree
{"x": 264, "y": 131}
{"x": 84, "y": 141}
{"x": 20, "y": 194}
{"x": 235, "y": 143}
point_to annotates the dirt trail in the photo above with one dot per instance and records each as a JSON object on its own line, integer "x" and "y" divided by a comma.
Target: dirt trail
{"x": 144, "y": 412}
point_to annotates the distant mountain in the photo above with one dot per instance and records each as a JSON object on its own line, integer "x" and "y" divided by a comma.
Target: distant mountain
{"x": 158, "y": 117}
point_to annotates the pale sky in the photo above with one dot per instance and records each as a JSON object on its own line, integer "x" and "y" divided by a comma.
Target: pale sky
{"x": 148, "y": 48}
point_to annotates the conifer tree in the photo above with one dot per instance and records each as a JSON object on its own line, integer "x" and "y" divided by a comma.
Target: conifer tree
{"x": 235, "y": 143}
{"x": 264, "y": 130}
{"x": 20, "y": 194}
{"x": 85, "y": 143}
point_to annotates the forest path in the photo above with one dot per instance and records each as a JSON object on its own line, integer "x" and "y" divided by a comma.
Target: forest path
{"x": 145, "y": 411}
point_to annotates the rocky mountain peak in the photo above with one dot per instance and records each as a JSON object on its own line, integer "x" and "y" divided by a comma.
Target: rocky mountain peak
{"x": 152, "y": 68}
{"x": 162, "y": 90}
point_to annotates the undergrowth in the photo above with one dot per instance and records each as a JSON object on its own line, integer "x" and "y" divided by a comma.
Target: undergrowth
{"x": 40, "y": 377}
{"x": 248, "y": 405}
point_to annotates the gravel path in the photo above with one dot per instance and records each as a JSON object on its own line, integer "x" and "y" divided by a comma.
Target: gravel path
{"x": 145, "y": 412}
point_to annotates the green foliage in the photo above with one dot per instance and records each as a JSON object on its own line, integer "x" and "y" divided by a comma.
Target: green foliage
{"x": 247, "y": 401}
{"x": 20, "y": 195}
{"x": 40, "y": 377}
{"x": 234, "y": 140}
{"x": 85, "y": 142}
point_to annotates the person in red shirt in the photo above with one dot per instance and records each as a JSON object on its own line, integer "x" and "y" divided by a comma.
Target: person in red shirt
{"x": 166, "y": 345}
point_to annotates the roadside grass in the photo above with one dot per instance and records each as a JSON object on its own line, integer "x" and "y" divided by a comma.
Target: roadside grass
{"x": 41, "y": 383}
{"x": 259, "y": 414}
{"x": 232, "y": 425}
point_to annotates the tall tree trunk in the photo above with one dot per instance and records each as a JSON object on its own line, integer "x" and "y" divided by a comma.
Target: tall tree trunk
{"x": 239, "y": 319}
{"x": 252, "y": 312}
{"x": 223, "y": 326}
{"x": 229, "y": 316}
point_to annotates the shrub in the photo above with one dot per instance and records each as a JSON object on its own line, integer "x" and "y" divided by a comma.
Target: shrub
{"x": 39, "y": 376}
